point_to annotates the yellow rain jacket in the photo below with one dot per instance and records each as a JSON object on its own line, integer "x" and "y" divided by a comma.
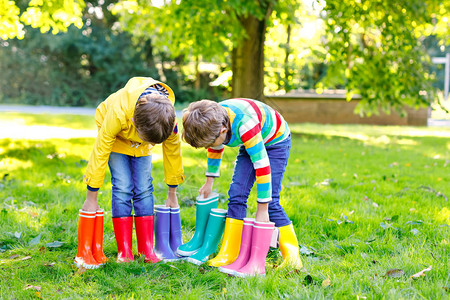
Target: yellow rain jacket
{"x": 117, "y": 133}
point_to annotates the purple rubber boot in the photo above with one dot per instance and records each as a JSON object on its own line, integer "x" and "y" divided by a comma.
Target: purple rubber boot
{"x": 162, "y": 233}
{"x": 175, "y": 229}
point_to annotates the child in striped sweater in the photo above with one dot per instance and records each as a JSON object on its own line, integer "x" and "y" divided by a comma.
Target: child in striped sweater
{"x": 264, "y": 140}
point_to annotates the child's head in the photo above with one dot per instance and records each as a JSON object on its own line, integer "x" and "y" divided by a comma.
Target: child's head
{"x": 203, "y": 123}
{"x": 154, "y": 117}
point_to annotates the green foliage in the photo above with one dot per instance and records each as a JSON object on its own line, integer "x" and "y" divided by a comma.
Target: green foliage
{"x": 78, "y": 68}
{"x": 56, "y": 15}
{"x": 374, "y": 48}
{"x": 377, "y": 49}
{"x": 370, "y": 209}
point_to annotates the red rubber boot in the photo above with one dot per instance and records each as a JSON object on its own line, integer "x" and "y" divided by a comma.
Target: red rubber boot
{"x": 144, "y": 233}
{"x": 123, "y": 230}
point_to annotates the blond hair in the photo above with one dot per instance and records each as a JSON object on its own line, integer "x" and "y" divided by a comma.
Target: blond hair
{"x": 154, "y": 117}
{"x": 202, "y": 122}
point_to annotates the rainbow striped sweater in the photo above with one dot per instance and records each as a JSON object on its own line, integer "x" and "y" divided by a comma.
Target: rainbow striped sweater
{"x": 254, "y": 125}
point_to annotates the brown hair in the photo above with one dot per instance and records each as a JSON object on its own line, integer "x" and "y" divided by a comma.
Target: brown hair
{"x": 202, "y": 122}
{"x": 154, "y": 117}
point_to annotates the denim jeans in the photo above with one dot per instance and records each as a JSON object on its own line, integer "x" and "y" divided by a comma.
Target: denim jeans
{"x": 131, "y": 179}
{"x": 244, "y": 177}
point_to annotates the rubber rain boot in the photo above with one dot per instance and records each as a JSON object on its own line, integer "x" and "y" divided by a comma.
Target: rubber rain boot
{"x": 162, "y": 233}
{"x": 231, "y": 243}
{"x": 289, "y": 247}
{"x": 261, "y": 237}
{"x": 176, "y": 235}
{"x": 97, "y": 244}
{"x": 244, "y": 253}
{"x": 144, "y": 235}
{"x": 204, "y": 206}
{"x": 123, "y": 230}
{"x": 213, "y": 234}
{"x": 84, "y": 256}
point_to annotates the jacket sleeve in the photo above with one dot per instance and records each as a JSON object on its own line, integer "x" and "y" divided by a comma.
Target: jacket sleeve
{"x": 214, "y": 158}
{"x": 173, "y": 166}
{"x": 96, "y": 168}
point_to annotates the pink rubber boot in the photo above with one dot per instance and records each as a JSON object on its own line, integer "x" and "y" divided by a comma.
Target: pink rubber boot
{"x": 261, "y": 237}
{"x": 244, "y": 253}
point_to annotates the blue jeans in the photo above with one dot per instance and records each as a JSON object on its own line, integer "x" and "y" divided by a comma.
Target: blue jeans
{"x": 244, "y": 177}
{"x": 131, "y": 179}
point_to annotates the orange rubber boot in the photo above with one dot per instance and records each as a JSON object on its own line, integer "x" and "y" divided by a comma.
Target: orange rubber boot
{"x": 97, "y": 244}
{"x": 84, "y": 256}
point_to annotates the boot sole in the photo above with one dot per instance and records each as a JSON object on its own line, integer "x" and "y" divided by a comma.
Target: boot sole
{"x": 173, "y": 259}
{"x": 86, "y": 266}
{"x": 226, "y": 271}
{"x": 194, "y": 261}
{"x": 244, "y": 275}
{"x": 186, "y": 253}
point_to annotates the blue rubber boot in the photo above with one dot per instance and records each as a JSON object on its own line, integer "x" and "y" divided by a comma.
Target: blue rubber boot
{"x": 213, "y": 234}
{"x": 204, "y": 206}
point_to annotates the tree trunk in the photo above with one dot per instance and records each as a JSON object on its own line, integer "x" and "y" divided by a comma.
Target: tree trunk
{"x": 287, "y": 69}
{"x": 248, "y": 59}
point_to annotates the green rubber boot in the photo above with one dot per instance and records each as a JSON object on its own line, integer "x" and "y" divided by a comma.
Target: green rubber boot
{"x": 213, "y": 234}
{"x": 204, "y": 206}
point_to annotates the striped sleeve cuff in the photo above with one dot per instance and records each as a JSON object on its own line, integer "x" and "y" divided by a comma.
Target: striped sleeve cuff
{"x": 209, "y": 174}
{"x": 264, "y": 200}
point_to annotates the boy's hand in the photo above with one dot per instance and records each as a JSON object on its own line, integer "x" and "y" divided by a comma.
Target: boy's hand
{"x": 262, "y": 213}
{"x": 206, "y": 189}
{"x": 91, "y": 203}
{"x": 172, "y": 200}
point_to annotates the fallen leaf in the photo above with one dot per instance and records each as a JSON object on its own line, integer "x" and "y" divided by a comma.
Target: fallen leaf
{"x": 447, "y": 289}
{"x": 55, "y": 244}
{"x": 374, "y": 204}
{"x": 395, "y": 273}
{"x": 306, "y": 251}
{"x": 38, "y": 294}
{"x": 417, "y": 222}
{"x": 80, "y": 270}
{"x": 26, "y": 258}
{"x": 415, "y": 231}
{"x": 35, "y": 287}
{"x": 14, "y": 256}
{"x": 421, "y": 273}
{"x": 326, "y": 283}
{"x": 35, "y": 241}
{"x": 49, "y": 264}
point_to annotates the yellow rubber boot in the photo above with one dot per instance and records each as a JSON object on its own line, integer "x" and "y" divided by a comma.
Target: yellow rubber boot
{"x": 289, "y": 247}
{"x": 231, "y": 244}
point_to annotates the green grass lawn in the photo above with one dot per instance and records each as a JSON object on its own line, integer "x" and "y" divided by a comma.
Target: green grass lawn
{"x": 364, "y": 200}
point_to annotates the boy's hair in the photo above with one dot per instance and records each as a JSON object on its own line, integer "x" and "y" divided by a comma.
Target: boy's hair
{"x": 154, "y": 117}
{"x": 202, "y": 122}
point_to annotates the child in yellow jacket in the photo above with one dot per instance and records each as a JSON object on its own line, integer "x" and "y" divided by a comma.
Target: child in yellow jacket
{"x": 130, "y": 122}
